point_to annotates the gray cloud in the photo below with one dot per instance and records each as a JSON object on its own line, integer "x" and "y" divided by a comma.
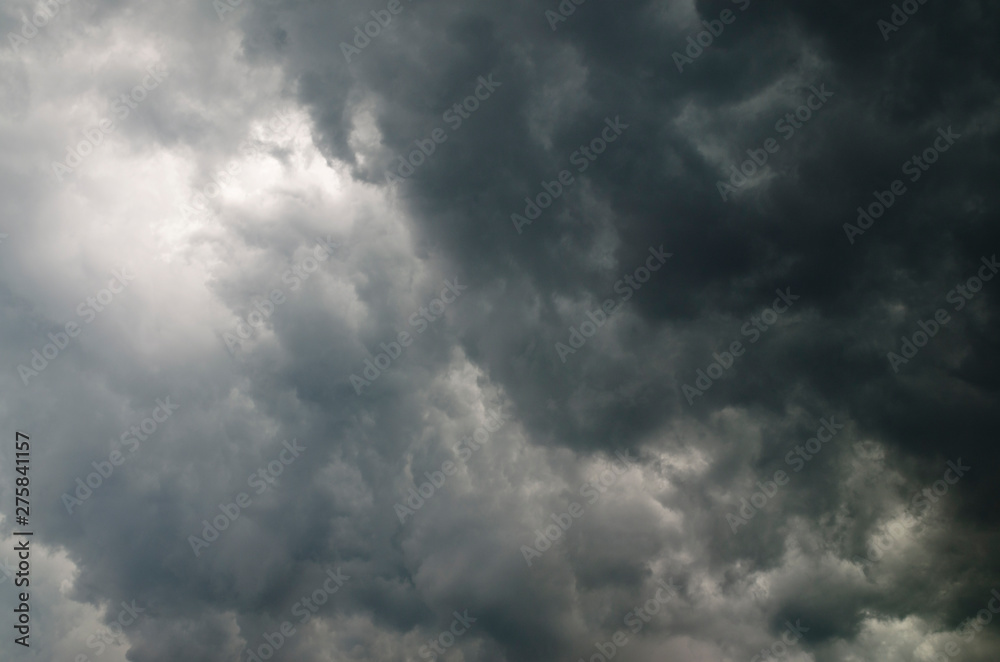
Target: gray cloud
{"x": 805, "y": 556}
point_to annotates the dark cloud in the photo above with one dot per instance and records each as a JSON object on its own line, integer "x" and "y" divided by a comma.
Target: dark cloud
{"x": 805, "y": 555}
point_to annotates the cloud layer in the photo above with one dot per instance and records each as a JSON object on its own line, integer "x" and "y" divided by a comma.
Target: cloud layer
{"x": 564, "y": 308}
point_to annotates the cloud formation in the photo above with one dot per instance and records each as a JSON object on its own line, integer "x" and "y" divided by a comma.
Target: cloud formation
{"x": 289, "y": 212}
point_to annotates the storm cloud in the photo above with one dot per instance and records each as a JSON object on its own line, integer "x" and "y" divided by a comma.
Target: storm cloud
{"x": 495, "y": 331}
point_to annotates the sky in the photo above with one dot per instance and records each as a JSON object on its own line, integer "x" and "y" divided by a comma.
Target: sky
{"x": 500, "y": 331}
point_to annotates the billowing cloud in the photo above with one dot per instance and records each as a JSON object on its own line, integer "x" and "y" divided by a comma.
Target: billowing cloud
{"x": 501, "y": 330}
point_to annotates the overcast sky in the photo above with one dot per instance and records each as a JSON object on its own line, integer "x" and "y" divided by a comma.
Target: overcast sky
{"x": 502, "y": 331}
